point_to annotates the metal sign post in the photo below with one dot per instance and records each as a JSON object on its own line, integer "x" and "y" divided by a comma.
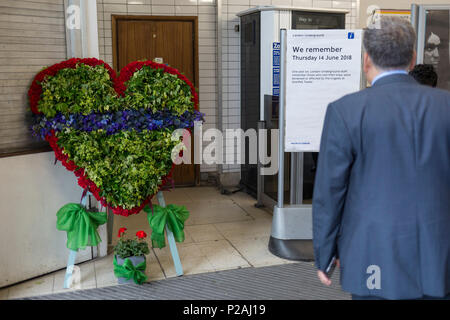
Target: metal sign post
{"x": 281, "y": 118}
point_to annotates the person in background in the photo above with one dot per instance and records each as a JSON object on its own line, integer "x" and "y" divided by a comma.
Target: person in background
{"x": 381, "y": 202}
{"x": 425, "y": 74}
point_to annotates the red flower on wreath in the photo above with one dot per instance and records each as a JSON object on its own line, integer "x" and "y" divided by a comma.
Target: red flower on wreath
{"x": 121, "y": 232}
{"x": 70, "y": 165}
{"x": 141, "y": 234}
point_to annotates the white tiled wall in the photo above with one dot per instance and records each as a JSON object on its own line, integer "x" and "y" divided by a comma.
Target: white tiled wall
{"x": 207, "y": 22}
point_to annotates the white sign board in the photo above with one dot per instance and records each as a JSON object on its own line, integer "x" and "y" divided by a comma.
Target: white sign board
{"x": 321, "y": 67}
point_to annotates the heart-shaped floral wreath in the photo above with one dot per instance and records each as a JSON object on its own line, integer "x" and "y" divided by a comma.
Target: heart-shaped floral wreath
{"x": 114, "y": 133}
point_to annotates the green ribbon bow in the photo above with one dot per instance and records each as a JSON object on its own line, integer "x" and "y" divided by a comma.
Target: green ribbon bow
{"x": 172, "y": 215}
{"x": 129, "y": 271}
{"x": 81, "y": 225}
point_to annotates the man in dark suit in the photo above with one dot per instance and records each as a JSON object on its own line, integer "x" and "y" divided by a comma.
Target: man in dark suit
{"x": 381, "y": 201}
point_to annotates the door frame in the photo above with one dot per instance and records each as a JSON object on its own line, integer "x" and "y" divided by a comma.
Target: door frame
{"x": 115, "y": 52}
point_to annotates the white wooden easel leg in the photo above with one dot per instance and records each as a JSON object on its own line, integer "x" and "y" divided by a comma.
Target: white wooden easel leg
{"x": 102, "y": 247}
{"x": 73, "y": 254}
{"x": 69, "y": 269}
{"x": 171, "y": 239}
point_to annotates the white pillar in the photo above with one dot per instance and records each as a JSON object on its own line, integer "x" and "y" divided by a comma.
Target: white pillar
{"x": 81, "y": 28}
{"x": 90, "y": 39}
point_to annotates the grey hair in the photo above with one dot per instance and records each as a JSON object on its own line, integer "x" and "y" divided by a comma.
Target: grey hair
{"x": 391, "y": 45}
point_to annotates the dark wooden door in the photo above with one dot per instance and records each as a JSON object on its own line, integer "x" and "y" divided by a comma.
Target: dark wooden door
{"x": 171, "y": 38}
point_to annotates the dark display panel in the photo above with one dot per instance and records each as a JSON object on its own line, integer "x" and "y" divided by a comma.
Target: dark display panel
{"x": 250, "y": 89}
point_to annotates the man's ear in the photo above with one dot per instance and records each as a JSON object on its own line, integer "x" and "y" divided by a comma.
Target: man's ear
{"x": 367, "y": 62}
{"x": 413, "y": 61}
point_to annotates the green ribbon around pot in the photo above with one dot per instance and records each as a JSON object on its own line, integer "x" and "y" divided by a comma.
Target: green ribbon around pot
{"x": 129, "y": 271}
{"x": 80, "y": 224}
{"x": 172, "y": 215}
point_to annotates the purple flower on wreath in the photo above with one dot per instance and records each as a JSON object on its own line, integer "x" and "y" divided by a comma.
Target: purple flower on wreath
{"x": 115, "y": 121}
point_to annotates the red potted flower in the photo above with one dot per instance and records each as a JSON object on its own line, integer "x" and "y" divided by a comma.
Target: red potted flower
{"x": 129, "y": 257}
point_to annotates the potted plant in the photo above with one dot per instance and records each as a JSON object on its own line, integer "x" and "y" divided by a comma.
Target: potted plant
{"x": 129, "y": 258}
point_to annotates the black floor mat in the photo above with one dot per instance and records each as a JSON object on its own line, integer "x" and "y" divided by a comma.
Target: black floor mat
{"x": 293, "y": 281}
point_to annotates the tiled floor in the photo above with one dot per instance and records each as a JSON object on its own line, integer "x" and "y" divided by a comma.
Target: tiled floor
{"x": 222, "y": 232}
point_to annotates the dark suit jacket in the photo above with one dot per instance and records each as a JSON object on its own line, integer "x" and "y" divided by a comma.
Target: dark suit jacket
{"x": 382, "y": 189}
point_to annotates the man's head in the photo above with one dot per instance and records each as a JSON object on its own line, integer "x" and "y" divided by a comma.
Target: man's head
{"x": 425, "y": 74}
{"x": 389, "y": 47}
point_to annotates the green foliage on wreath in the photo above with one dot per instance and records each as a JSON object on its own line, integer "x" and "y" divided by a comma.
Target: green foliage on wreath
{"x": 84, "y": 89}
{"x": 126, "y": 166}
{"x": 155, "y": 89}
{"x": 87, "y": 89}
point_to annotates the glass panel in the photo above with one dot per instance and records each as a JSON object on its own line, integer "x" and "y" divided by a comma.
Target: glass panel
{"x": 271, "y": 181}
{"x": 436, "y": 45}
{"x": 317, "y": 20}
{"x": 309, "y": 173}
